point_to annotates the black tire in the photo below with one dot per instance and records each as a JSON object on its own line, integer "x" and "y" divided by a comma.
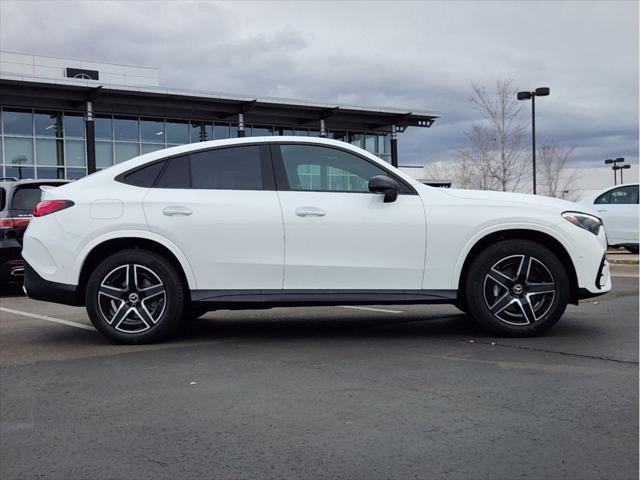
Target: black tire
{"x": 534, "y": 301}
{"x": 632, "y": 249}
{"x": 142, "y": 311}
{"x": 461, "y": 304}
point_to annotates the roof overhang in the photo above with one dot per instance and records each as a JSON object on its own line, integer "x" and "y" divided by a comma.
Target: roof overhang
{"x": 71, "y": 94}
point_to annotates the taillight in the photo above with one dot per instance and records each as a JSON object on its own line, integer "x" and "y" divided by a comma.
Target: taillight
{"x": 51, "y": 206}
{"x": 11, "y": 223}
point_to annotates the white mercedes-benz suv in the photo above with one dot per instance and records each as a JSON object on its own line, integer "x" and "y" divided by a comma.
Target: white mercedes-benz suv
{"x": 289, "y": 221}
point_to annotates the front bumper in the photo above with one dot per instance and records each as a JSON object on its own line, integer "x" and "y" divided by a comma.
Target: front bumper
{"x": 38, "y": 288}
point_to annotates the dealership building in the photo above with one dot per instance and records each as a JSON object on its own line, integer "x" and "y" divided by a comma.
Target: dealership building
{"x": 63, "y": 118}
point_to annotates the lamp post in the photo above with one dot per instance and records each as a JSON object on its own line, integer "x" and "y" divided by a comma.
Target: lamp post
{"x": 622, "y": 167}
{"x": 615, "y": 167}
{"x": 538, "y": 92}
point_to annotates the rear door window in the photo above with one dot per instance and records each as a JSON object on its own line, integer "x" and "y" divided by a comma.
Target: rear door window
{"x": 233, "y": 168}
{"x": 237, "y": 168}
{"x": 177, "y": 174}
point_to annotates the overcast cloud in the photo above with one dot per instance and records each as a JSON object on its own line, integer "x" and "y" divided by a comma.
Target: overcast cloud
{"x": 411, "y": 55}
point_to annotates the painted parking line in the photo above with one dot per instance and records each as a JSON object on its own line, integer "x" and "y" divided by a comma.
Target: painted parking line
{"x": 48, "y": 319}
{"x": 370, "y": 309}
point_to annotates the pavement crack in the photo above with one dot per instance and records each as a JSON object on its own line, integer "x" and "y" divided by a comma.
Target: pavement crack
{"x": 569, "y": 354}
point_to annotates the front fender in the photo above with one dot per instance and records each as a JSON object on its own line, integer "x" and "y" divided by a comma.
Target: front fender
{"x": 479, "y": 235}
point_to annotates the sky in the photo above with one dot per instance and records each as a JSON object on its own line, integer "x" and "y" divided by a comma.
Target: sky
{"x": 415, "y": 56}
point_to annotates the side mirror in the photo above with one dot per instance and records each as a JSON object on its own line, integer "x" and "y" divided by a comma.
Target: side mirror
{"x": 386, "y": 185}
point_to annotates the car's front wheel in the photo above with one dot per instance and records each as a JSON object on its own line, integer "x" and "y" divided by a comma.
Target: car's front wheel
{"x": 517, "y": 288}
{"x": 135, "y": 296}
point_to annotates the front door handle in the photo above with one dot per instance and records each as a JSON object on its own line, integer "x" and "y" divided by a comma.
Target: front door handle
{"x": 176, "y": 211}
{"x": 310, "y": 212}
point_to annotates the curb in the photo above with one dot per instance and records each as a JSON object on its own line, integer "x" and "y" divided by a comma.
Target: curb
{"x": 622, "y": 261}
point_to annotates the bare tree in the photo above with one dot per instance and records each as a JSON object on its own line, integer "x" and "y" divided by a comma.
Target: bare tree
{"x": 459, "y": 171}
{"x": 556, "y": 178}
{"x": 496, "y": 145}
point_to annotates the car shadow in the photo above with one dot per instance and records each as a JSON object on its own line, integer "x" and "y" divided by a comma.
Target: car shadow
{"x": 455, "y": 325}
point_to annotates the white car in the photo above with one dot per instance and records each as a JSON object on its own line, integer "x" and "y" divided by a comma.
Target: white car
{"x": 618, "y": 208}
{"x": 290, "y": 221}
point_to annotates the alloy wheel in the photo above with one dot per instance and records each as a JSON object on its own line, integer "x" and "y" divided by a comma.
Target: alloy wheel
{"x": 132, "y": 298}
{"x": 519, "y": 290}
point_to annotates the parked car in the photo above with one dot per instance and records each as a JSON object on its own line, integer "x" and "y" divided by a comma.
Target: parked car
{"x": 620, "y": 213}
{"x": 282, "y": 221}
{"x": 18, "y": 199}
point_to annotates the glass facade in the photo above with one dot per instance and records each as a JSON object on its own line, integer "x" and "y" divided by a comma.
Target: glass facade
{"x": 51, "y": 144}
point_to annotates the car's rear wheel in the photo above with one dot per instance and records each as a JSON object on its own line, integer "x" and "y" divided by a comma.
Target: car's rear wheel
{"x": 135, "y": 296}
{"x": 517, "y": 288}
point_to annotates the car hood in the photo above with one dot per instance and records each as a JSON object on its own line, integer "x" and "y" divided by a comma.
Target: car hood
{"x": 518, "y": 199}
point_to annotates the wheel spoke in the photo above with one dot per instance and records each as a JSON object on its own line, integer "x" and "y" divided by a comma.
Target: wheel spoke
{"x": 149, "y": 292}
{"x": 131, "y": 280}
{"x": 500, "y": 278}
{"x": 527, "y": 309}
{"x": 502, "y": 303}
{"x": 539, "y": 288}
{"x": 523, "y": 269}
{"x": 112, "y": 292}
{"x": 119, "y": 315}
{"x": 144, "y": 315}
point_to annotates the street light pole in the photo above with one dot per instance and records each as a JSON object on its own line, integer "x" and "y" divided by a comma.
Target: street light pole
{"x": 533, "y": 138}
{"x": 615, "y": 167}
{"x": 622, "y": 167}
{"x": 538, "y": 92}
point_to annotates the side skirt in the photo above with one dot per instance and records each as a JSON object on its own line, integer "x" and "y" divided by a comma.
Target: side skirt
{"x": 247, "y": 299}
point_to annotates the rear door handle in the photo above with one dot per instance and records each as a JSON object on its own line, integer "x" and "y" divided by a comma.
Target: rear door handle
{"x": 602, "y": 210}
{"x": 176, "y": 211}
{"x": 310, "y": 212}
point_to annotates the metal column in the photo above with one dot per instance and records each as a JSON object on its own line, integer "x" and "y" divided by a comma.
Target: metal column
{"x": 394, "y": 146}
{"x": 241, "y": 132}
{"x": 90, "y": 130}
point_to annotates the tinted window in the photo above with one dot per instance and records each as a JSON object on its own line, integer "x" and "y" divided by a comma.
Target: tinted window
{"x": 309, "y": 167}
{"x": 145, "y": 176}
{"x": 624, "y": 195}
{"x": 177, "y": 174}
{"x": 24, "y": 200}
{"x": 3, "y": 194}
{"x": 236, "y": 168}
{"x": 604, "y": 198}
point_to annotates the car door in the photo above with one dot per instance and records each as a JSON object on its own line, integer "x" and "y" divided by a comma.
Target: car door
{"x": 338, "y": 235}
{"x": 618, "y": 209}
{"x": 219, "y": 206}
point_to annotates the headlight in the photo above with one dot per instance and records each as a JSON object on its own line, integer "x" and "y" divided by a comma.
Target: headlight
{"x": 584, "y": 220}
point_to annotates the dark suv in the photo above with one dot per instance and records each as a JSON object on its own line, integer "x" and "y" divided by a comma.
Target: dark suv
{"x": 18, "y": 198}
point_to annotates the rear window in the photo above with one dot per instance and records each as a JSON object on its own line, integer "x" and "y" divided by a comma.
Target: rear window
{"x": 24, "y": 200}
{"x": 145, "y": 176}
{"x": 3, "y": 196}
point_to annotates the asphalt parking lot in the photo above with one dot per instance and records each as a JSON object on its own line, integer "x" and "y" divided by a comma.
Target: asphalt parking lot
{"x": 336, "y": 392}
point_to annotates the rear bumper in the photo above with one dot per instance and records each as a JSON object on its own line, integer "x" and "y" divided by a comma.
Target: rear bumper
{"x": 38, "y": 288}
{"x": 11, "y": 264}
